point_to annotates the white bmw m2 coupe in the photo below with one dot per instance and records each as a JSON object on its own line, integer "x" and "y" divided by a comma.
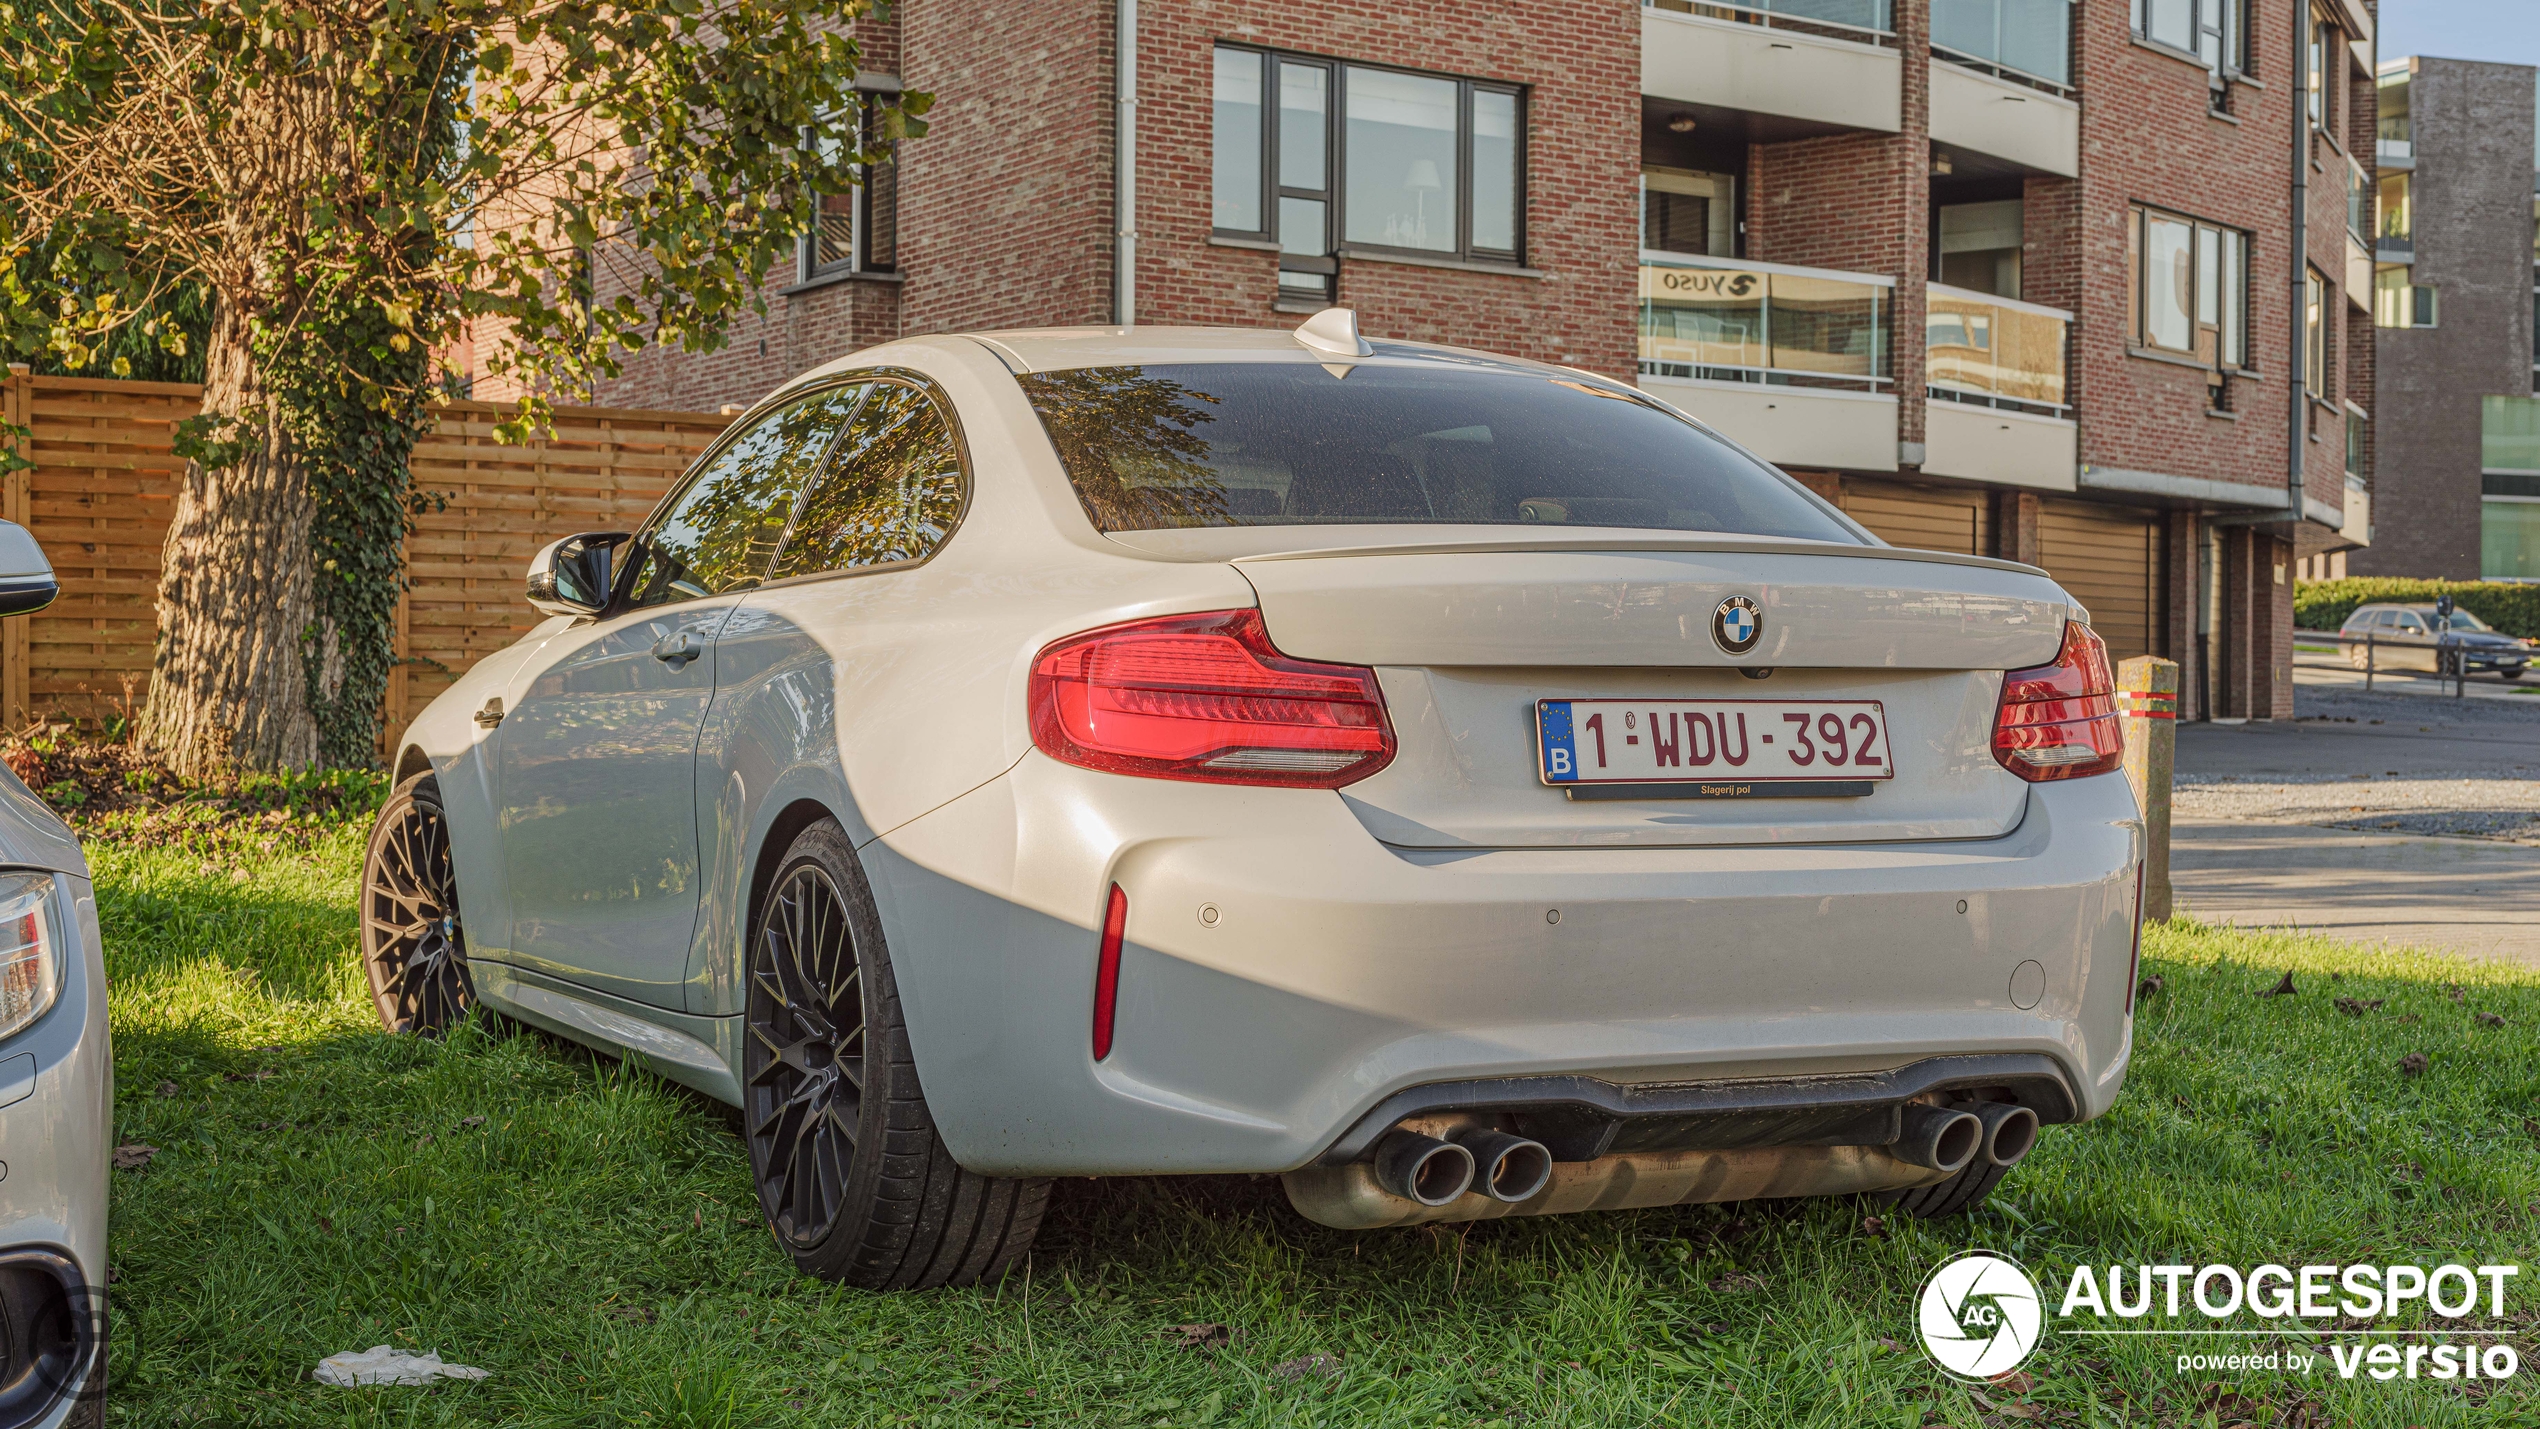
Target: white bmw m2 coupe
{"x": 1467, "y": 787}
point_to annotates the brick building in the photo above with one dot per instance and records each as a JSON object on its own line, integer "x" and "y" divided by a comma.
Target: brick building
{"x": 2024, "y": 284}
{"x": 2456, "y": 291}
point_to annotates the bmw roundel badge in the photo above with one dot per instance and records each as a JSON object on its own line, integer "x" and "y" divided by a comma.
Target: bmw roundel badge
{"x": 1737, "y": 625}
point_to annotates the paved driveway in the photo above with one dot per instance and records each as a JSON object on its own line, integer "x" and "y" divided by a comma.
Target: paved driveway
{"x": 2408, "y": 818}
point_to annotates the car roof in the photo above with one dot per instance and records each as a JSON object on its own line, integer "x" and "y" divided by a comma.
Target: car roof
{"x": 1057, "y": 349}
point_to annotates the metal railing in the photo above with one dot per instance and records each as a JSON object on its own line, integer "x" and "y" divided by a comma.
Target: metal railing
{"x": 1872, "y": 21}
{"x": 2028, "y": 41}
{"x": 1718, "y": 319}
{"x": 1994, "y": 352}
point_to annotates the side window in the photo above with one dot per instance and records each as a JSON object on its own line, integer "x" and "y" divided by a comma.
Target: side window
{"x": 890, "y": 495}
{"x": 2410, "y": 625}
{"x": 718, "y": 533}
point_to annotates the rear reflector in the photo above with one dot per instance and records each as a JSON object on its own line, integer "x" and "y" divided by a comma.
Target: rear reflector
{"x": 2134, "y": 965}
{"x": 1115, "y": 923}
{"x": 1206, "y": 698}
{"x": 2059, "y": 721}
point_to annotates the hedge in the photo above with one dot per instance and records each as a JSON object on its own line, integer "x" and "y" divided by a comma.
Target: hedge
{"x": 2511, "y": 607}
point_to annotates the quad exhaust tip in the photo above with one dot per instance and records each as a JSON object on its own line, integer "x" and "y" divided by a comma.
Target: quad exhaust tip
{"x": 1939, "y": 1139}
{"x": 1506, "y": 1168}
{"x": 2010, "y": 1132}
{"x": 1423, "y": 1168}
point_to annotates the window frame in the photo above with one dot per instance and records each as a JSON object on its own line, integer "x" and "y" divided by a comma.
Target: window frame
{"x": 873, "y": 377}
{"x": 2230, "y": 59}
{"x": 807, "y": 265}
{"x": 1336, "y": 163}
{"x": 2138, "y": 286}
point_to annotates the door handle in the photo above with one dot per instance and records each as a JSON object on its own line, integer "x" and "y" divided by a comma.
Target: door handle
{"x": 678, "y": 649}
{"x": 492, "y": 714}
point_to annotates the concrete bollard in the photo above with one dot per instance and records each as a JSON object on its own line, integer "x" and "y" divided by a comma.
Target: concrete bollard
{"x": 2147, "y": 698}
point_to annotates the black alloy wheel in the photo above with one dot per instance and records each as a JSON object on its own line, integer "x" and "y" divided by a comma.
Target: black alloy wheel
{"x": 412, "y": 943}
{"x": 805, "y": 1055}
{"x": 854, "y": 1178}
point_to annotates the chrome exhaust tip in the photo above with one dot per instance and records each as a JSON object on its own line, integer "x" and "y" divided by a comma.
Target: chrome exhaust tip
{"x": 1506, "y": 1168}
{"x": 1941, "y": 1140}
{"x": 1423, "y": 1168}
{"x": 2010, "y": 1132}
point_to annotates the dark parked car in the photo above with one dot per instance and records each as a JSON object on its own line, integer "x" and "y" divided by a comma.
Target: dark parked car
{"x": 2423, "y": 637}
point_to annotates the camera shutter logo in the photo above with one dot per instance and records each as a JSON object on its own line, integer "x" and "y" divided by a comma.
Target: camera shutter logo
{"x": 1737, "y": 625}
{"x": 1979, "y": 1315}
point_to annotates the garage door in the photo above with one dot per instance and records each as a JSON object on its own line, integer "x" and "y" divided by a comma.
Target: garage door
{"x": 2110, "y": 559}
{"x": 1927, "y": 518}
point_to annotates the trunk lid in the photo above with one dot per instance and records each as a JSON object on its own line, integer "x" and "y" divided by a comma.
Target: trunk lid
{"x": 1467, "y": 636}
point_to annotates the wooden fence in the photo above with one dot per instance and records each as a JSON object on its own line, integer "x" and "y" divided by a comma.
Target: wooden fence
{"x": 103, "y": 486}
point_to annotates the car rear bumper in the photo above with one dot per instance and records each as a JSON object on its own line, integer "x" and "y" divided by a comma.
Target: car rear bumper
{"x": 54, "y": 1141}
{"x": 1285, "y": 975}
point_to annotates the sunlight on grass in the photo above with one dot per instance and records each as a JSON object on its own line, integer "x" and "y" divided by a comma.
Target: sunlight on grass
{"x": 588, "y": 1233}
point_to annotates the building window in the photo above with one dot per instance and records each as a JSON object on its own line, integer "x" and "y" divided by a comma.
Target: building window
{"x": 2354, "y": 443}
{"x": 2509, "y": 511}
{"x": 2215, "y": 31}
{"x": 2397, "y": 223}
{"x": 2190, "y": 284}
{"x": 2315, "y": 333}
{"x": 2319, "y": 75}
{"x": 1682, "y": 211}
{"x": 856, "y": 231}
{"x": 1363, "y": 157}
{"x": 2396, "y": 302}
{"x": 2030, "y": 39}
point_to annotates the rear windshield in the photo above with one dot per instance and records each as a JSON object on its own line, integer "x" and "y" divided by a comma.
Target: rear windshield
{"x": 1293, "y": 444}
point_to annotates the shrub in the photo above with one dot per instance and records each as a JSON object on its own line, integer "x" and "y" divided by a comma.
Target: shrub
{"x": 2511, "y": 607}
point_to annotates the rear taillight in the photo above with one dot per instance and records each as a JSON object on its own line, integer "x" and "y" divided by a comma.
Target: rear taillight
{"x": 1205, "y": 697}
{"x": 2059, "y": 721}
{"x": 1115, "y": 928}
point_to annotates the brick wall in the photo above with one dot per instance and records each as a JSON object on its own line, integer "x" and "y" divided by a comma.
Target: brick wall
{"x": 2140, "y": 413}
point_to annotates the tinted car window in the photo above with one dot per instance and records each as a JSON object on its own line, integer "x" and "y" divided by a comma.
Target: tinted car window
{"x": 719, "y": 533}
{"x": 1289, "y": 444}
{"x": 890, "y": 494}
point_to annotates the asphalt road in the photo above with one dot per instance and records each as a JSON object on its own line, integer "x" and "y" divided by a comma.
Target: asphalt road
{"x": 2411, "y": 818}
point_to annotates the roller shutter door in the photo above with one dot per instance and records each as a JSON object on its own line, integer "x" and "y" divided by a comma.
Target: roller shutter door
{"x": 1926, "y": 518}
{"x": 2109, "y": 557}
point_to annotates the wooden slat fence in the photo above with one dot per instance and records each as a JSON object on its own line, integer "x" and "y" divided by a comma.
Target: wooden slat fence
{"x": 103, "y": 486}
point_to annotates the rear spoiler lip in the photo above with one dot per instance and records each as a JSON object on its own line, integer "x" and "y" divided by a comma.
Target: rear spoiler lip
{"x": 1632, "y": 540}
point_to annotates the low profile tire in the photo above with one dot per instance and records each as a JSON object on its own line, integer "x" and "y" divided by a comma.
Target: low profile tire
{"x": 1954, "y": 1197}
{"x": 856, "y": 1184}
{"x": 412, "y": 944}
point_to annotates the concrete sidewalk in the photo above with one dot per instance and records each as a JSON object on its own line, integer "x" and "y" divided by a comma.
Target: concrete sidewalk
{"x": 2472, "y": 897}
{"x": 2337, "y": 821}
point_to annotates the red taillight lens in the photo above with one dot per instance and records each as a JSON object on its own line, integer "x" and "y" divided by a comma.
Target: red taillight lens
{"x": 1115, "y": 927}
{"x": 1205, "y": 697}
{"x": 2059, "y": 721}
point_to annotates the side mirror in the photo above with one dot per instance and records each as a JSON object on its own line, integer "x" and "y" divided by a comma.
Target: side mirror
{"x": 573, "y": 576}
{"x": 26, "y": 578}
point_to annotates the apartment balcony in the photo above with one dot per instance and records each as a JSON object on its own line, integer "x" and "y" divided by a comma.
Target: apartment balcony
{"x": 1817, "y": 66}
{"x": 1994, "y": 373}
{"x": 2031, "y": 127}
{"x": 1791, "y": 363}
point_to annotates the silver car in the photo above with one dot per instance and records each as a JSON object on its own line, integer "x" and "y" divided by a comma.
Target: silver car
{"x": 56, "y": 1089}
{"x": 1463, "y": 786}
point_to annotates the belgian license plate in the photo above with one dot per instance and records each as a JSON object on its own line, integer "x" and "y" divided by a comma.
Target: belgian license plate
{"x": 1712, "y": 749}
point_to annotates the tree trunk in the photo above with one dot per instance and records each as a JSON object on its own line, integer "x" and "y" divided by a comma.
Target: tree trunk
{"x": 229, "y": 688}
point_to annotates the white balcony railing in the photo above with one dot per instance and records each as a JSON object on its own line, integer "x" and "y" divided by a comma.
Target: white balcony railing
{"x": 1994, "y": 352}
{"x": 1872, "y": 21}
{"x": 1719, "y": 319}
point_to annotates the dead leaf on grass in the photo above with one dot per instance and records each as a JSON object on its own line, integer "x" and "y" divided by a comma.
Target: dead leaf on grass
{"x": 633, "y": 1314}
{"x": 1730, "y": 1284}
{"x": 2455, "y": 991}
{"x": 2282, "y": 989}
{"x": 1306, "y": 1367}
{"x": 2016, "y": 1382}
{"x": 2356, "y": 1007}
{"x": 2413, "y": 1064}
{"x": 1201, "y": 1337}
{"x": 1873, "y": 1226}
{"x": 133, "y": 1155}
{"x": 2489, "y": 1019}
{"x": 2148, "y": 987}
{"x": 2410, "y": 1020}
{"x": 471, "y": 1121}
{"x": 1891, "y": 1346}
{"x": 167, "y": 1089}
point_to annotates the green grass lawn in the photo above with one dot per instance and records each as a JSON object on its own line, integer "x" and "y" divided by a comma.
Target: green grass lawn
{"x": 588, "y": 1233}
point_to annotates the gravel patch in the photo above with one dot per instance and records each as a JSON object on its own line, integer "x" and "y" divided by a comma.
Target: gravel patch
{"x": 2331, "y": 703}
{"x": 2461, "y": 804}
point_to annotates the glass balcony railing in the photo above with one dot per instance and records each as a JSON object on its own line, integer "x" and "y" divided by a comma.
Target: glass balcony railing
{"x": 1994, "y": 352}
{"x": 1873, "y": 20}
{"x": 1721, "y": 320}
{"x": 2017, "y": 39}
